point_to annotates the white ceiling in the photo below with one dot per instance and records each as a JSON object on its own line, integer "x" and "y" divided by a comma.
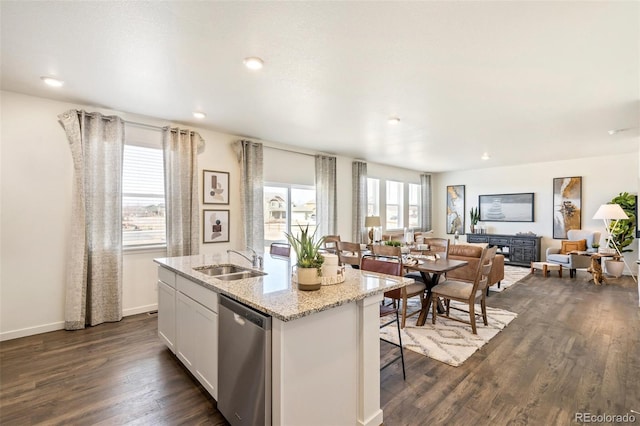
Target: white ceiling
{"x": 523, "y": 81}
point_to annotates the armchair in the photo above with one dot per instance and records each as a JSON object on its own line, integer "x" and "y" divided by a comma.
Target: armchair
{"x": 574, "y": 261}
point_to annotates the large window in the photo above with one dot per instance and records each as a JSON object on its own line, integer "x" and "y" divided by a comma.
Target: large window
{"x": 143, "y": 203}
{"x": 395, "y": 202}
{"x": 373, "y": 197}
{"x": 414, "y": 205}
{"x": 286, "y": 207}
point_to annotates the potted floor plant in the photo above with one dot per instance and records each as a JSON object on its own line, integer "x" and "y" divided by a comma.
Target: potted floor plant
{"x": 623, "y": 233}
{"x": 309, "y": 260}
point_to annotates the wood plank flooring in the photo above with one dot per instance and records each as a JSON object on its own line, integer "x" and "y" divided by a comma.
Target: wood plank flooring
{"x": 574, "y": 348}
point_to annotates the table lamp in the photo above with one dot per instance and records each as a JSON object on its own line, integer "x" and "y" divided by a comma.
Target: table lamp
{"x": 371, "y": 222}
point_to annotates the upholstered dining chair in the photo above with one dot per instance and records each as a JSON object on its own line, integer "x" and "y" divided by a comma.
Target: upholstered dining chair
{"x": 577, "y": 240}
{"x": 463, "y": 291}
{"x": 418, "y": 288}
{"x": 330, "y": 243}
{"x": 349, "y": 254}
{"x": 375, "y": 264}
{"x": 280, "y": 249}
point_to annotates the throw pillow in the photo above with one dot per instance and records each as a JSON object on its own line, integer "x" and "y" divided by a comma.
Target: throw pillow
{"x": 569, "y": 246}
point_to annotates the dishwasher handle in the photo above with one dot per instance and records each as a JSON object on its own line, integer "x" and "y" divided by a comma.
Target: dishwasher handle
{"x": 243, "y": 313}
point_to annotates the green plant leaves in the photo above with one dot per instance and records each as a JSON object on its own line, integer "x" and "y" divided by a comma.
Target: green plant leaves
{"x": 624, "y": 232}
{"x": 307, "y": 250}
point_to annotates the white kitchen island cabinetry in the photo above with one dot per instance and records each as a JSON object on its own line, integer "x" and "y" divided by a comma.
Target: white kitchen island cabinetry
{"x": 325, "y": 360}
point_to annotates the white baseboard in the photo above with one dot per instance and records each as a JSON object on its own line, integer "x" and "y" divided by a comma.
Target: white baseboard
{"x": 30, "y": 331}
{"x": 140, "y": 310}
{"x": 54, "y": 326}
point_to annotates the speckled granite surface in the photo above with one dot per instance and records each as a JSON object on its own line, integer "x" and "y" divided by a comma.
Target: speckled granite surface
{"x": 275, "y": 293}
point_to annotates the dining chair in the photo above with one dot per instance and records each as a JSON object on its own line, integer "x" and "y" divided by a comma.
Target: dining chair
{"x": 349, "y": 254}
{"x": 418, "y": 288}
{"x": 437, "y": 245}
{"x": 375, "y": 264}
{"x": 330, "y": 243}
{"x": 280, "y": 249}
{"x": 463, "y": 291}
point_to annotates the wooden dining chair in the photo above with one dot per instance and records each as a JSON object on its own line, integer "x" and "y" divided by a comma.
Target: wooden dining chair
{"x": 349, "y": 254}
{"x": 437, "y": 245}
{"x": 280, "y": 249}
{"x": 466, "y": 292}
{"x": 418, "y": 288}
{"x": 375, "y": 264}
{"x": 330, "y": 243}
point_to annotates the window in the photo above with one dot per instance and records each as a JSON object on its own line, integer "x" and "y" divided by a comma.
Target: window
{"x": 143, "y": 203}
{"x": 414, "y": 205}
{"x": 373, "y": 197}
{"x": 286, "y": 207}
{"x": 394, "y": 219}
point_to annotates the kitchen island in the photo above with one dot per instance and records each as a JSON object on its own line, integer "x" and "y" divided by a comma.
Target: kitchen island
{"x": 325, "y": 347}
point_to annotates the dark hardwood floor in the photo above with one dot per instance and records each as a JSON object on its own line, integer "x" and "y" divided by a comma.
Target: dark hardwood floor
{"x": 574, "y": 348}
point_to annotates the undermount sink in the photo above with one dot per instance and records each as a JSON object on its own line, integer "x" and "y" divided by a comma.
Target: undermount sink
{"x": 216, "y": 270}
{"x": 229, "y": 272}
{"x": 240, "y": 275}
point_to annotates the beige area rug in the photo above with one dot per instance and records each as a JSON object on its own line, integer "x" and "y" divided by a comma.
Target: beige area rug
{"x": 448, "y": 341}
{"x": 512, "y": 274}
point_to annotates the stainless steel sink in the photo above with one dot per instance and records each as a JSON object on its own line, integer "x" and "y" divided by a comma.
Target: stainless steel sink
{"x": 216, "y": 270}
{"x": 240, "y": 275}
{"x": 229, "y": 272}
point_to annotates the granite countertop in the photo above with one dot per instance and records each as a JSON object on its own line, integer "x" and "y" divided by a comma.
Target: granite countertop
{"x": 275, "y": 294}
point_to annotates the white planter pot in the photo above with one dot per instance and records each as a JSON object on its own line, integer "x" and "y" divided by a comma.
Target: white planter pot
{"x": 308, "y": 279}
{"x": 614, "y": 267}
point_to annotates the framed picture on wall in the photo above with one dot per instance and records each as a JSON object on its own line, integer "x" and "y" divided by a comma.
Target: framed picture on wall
{"x": 506, "y": 207}
{"x": 455, "y": 209}
{"x": 215, "y": 226}
{"x": 215, "y": 187}
{"x": 567, "y": 205}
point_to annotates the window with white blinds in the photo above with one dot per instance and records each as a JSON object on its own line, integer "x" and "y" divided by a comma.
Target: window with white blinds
{"x": 143, "y": 203}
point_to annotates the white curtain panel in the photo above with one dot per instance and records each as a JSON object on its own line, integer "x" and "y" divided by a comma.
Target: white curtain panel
{"x": 326, "y": 196}
{"x": 94, "y": 269}
{"x": 251, "y": 192}
{"x": 180, "y": 149}
{"x": 359, "y": 191}
{"x": 425, "y": 212}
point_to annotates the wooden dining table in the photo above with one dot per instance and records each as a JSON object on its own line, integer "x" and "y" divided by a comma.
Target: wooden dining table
{"x": 431, "y": 270}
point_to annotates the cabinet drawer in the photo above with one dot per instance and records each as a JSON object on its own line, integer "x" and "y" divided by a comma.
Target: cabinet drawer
{"x": 200, "y": 294}
{"x": 477, "y": 238}
{"x": 166, "y": 276}
{"x": 499, "y": 241}
{"x": 517, "y": 242}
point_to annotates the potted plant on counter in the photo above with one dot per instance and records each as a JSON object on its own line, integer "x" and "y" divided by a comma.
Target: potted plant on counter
{"x": 309, "y": 260}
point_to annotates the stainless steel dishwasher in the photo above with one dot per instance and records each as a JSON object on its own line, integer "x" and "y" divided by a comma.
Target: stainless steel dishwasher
{"x": 244, "y": 364}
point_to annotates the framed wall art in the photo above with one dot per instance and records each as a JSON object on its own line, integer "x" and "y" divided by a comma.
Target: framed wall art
{"x": 455, "y": 209}
{"x": 506, "y": 207}
{"x": 215, "y": 187}
{"x": 215, "y": 225}
{"x": 567, "y": 205}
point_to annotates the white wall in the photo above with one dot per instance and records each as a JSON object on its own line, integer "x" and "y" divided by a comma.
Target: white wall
{"x": 600, "y": 183}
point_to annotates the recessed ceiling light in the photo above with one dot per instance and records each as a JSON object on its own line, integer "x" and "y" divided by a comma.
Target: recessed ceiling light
{"x": 200, "y": 115}
{"x": 253, "y": 63}
{"x": 393, "y": 120}
{"x": 51, "y": 81}
{"x": 485, "y": 156}
{"x": 616, "y": 131}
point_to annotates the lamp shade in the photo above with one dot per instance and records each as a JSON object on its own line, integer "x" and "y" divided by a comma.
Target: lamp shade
{"x": 372, "y": 221}
{"x": 610, "y": 211}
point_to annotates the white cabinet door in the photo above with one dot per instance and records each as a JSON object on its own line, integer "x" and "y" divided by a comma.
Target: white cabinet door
{"x": 207, "y": 352}
{"x": 167, "y": 315}
{"x": 197, "y": 341}
{"x": 186, "y": 331}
